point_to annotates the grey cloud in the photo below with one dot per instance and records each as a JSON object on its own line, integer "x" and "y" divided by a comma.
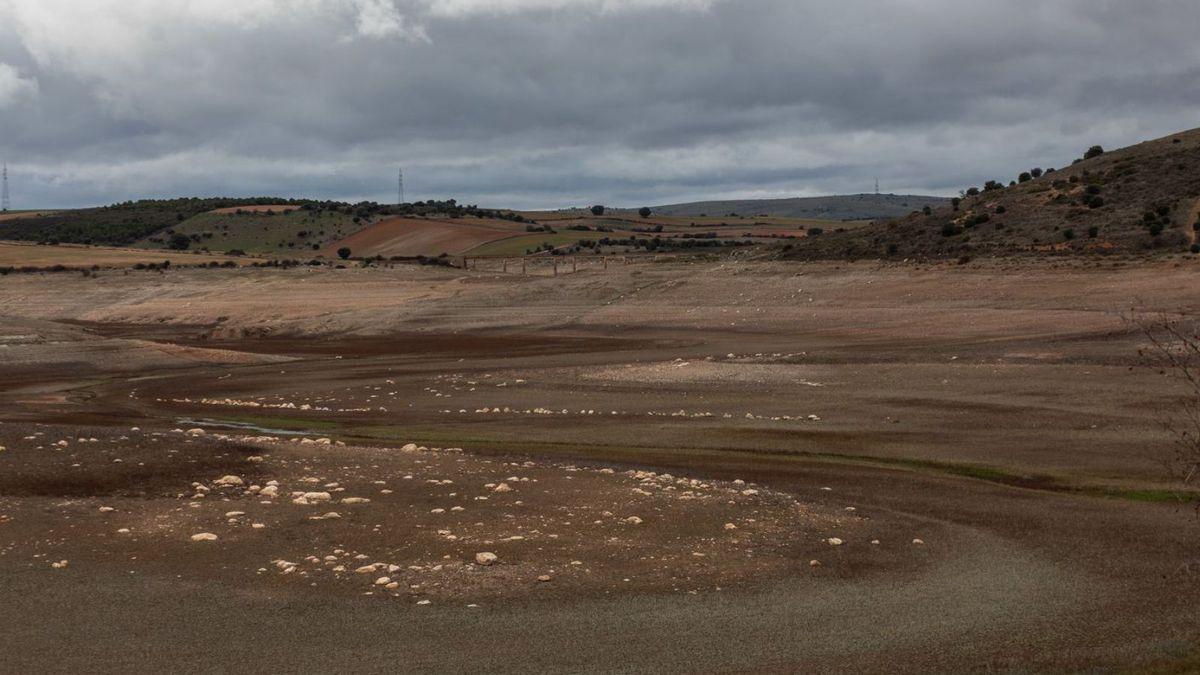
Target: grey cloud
{"x": 548, "y": 103}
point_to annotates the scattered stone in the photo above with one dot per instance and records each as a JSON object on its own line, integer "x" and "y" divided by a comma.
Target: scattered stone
{"x": 486, "y": 558}
{"x": 544, "y": 578}
{"x": 919, "y": 542}
{"x": 204, "y": 536}
{"x": 633, "y": 520}
{"x": 834, "y": 541}
{"x": 229, "y": 481}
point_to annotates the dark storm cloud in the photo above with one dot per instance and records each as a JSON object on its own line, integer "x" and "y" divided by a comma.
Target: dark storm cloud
{"x": 558, "y": 102}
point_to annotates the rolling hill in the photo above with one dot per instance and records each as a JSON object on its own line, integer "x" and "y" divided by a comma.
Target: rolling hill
{"x": 838, "y": 207}
{"x": 1136, "y": 200}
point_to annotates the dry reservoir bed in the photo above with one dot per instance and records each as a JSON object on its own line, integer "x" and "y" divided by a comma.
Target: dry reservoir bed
{"x": 411, "y": 524}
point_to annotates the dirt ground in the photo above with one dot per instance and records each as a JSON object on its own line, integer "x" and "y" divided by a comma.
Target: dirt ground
{"x": 707, "y": 466}
{"x": 15, "y": 254}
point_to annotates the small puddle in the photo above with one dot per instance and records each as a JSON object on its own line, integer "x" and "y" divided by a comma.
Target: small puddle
{"x": 220, "y": 424}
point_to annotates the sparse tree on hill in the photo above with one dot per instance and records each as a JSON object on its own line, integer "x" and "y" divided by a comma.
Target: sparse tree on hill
{"x": 343, "y": 253}
{"x": 1094, "y": 151}
{"x": 180, "y": 242}
{"x": 1025, "y": 177}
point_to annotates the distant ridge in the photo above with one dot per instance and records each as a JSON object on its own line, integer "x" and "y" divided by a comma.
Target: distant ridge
{"x": 836, "y": 207}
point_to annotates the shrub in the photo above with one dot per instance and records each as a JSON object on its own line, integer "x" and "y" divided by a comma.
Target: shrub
{"x": 1195, "y": 248}
{"x": 815, "y": 231}
{"x": 1094, "y": 151}
{"x": 343, "y": 253}
{"x": 971, "y": 192}
{"x": 597, "y": 210}
{"x": 644, "y": 212}
{"x": 180, "y": 242}
{"x": 955, "y": 203}
{"x": 929, "y": 211}
{"x": 1068, "y": 234}
{"x": 1001, "y": 209}
{"x": 1156, "y": 229}
{"x": 1093, "y": 232}
{"x": 950, "y": 229}
{"x": 1024, "y": 177}
{"x": 1036, "y": 173}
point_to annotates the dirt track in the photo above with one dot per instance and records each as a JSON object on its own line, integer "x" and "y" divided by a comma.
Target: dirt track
{"x": 985, "y": 411}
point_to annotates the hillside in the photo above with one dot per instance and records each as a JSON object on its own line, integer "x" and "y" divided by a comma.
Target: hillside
{"x": 118, "y": 224}
{"x": 1144, "y": 198}
{"x": 838, "y": 207}
{"x": 277, "y": 229}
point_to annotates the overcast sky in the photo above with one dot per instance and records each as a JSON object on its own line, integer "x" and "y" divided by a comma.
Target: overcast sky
{"x": 547, "y": 103}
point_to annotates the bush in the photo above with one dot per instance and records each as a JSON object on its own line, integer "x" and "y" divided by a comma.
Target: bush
{"x": 1001, "y": 209}
{"x": 929, "y": 211}
{"x": 1093, "y": 232}
{"x": 1094, "y": 151}
{"x": 1024, "y": 177}
{"x": 644, "y": 212}
{"x": 180, "y": 242}
{"x": 597, "y": 210}
{"x": 1068, "y": 234}
{"x": 955, "y": 203}
{"x": 1156, "y": 229}
{"x": 343, "y": 253}
{"x": 1036, "y": 173}
{"x": 950, "y": 229}
{"x": 1195, "y": 248}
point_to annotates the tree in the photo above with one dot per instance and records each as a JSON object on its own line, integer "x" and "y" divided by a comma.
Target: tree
{"x": 1036, "y": 173}
{"x": 343, "y": 253}
{"x": 644, "y": 212}
{"x": 1173, "y": 350}
{"x": 1025, "y": 177}
{"x": 597, "y": 210}
{"x": 180, "y": 242}
{"x": 1094, "y": 151}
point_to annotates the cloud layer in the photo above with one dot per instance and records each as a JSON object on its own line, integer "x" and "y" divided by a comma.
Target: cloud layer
{"x": 558, "y": 102}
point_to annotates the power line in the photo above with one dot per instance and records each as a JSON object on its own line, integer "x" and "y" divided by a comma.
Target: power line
{"x": 4, "y": 201}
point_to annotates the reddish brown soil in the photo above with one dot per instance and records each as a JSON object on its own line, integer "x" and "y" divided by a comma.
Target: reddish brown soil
{"x": 425, "y": 236}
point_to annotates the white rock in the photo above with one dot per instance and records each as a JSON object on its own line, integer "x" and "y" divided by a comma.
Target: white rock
{"x": 834, "y": 541}
{"x": 486, "y": 558}
{"x": 229, "y": 481}
{"x": 204, "y": 536}
{"x": 633, "y": 520}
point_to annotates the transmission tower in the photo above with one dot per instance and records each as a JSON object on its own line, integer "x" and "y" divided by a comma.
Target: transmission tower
{"x": 4, "y": 202}
{"x": 400, "y": 186}
{"x": 876, "y": 186}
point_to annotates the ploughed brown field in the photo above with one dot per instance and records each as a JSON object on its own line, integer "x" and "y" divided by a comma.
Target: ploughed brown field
{"x": 675, "y": 466}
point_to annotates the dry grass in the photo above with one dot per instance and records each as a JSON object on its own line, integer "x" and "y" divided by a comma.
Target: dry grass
{"x": 13, "y": 254}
